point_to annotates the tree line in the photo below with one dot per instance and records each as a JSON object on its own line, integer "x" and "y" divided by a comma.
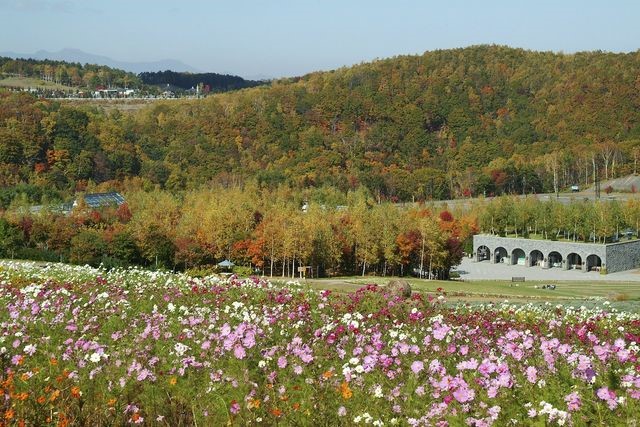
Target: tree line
{"x": 213, "y": 81}
{"x": 580, "y": 220}
{"x": 266, "y": 230}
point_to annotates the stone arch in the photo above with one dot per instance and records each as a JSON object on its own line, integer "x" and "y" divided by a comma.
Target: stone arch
{"x": 500, "y": 254}
{"x": 483, "y": 253}
{"x": 574, "y": 261}
{"x": 535, "y": 258}
{"x": 555, "y": 259}
{"x": 518, "y": 256}
{"x": 594, "y": 263}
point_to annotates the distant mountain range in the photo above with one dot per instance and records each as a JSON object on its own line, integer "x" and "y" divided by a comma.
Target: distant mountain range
{"x": 76, "y": 55}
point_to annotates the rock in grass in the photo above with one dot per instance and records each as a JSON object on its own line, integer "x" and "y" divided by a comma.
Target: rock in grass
{"x": 399, "y": 287}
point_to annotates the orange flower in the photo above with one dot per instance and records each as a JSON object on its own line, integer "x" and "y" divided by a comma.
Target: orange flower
{"x": 54, "y": 395}
{"x": 276, "y": 412}
{"x": 284, "y": 397}
{"x": 173, "y": 380}
{"x": 53, "y": 361}
{"x": 255, "y": 403}
{"x": 21, "y": 423}
{"x": 75, "y": 392}
{"x": 22, "y": 396}
{"x": 135, "y": 417}
{"x": 9, "y": 414}
{"x": 327, "y": 374}
{"x": 63, "y": 421}
{"x": 111, "y": 402}
{"x": 345, "y": 390}
{"x": 25, "y": 377}
{"x": 42, "y": 400}
{"x": 296, "y": 406}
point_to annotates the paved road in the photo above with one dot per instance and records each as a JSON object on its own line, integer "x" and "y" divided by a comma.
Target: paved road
{"x": 471, "y": 270}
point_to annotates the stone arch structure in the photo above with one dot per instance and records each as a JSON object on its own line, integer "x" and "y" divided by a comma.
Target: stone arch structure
{"x": 555, "y": 259}
{"x": 483, "y": 253}
{"x": 573, "y": 255}
{"x": 535, "y": 258}
{"x": 500, "y": 254}
{"x": 518, "y": 257}
{"x": 594, "y": 263}
{"x": 574, "y": 261}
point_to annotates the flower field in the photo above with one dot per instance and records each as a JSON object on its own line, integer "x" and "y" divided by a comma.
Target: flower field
{"x": 80, "y": 346}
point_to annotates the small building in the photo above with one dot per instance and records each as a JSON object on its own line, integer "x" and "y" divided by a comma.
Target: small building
{"x": 99, "y": 200}
{"x": 92, "y": 200}
{"x": 611, "y": 257}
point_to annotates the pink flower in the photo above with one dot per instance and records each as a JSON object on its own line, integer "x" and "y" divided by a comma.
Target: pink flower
{"x": 282, "y": 362}
{"x": 342, "y": 411}
{"x": 440, "y": 332}
{"x": 239, "y": 352}
{"x": 464, "y": 394}
{"x": 417, "y": 366}
{"x": 235, "y": 407}
{"x": 532, "y": 374}
{"x": 609, "y": 396}
{"x": 573, "y": 401}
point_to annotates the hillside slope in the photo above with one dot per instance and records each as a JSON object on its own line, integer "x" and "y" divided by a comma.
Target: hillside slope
{"x": 479, "y": 120}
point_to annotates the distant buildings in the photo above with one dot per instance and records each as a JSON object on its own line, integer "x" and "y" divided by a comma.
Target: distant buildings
{"x": 114, "y": 93}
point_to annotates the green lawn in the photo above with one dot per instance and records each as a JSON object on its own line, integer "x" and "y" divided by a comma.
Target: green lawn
{"x": 26, "y": 82}
{"x": 500, "y": 289}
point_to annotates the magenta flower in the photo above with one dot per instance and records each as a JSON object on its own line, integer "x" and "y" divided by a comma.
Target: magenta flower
{"x": 235, "y": 407}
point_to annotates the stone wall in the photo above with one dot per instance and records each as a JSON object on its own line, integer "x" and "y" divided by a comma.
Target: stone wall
{"x": 623, "y": 256}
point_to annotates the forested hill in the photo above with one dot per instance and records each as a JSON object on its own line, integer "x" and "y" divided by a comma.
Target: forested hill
{"x": 215, "y": 82}
{"x": 484, "y": 119}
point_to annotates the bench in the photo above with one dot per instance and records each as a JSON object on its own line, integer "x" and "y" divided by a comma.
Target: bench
{"x": 517, "y": 279}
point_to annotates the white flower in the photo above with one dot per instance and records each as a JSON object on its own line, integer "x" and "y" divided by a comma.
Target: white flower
{"x": 354, "y": 360}
{"x": 29, "y": 349}
{"x": 377, "y": 392}
{"x": 180, "y": 348}
{"x": 95, "y": 357}
{"x": 262, "y": 364}
{"x": 171, "y": 307}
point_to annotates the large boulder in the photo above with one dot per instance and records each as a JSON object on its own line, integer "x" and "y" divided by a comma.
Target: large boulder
{"x": 399, "y": 287}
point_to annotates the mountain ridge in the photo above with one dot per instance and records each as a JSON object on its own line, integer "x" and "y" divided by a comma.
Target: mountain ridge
{"x": 77, "y": 55}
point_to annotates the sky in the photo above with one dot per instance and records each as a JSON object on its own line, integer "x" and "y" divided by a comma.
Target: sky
{"x": 279, "y": 38}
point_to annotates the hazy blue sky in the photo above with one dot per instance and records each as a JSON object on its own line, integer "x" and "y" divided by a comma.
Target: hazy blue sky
{"x": 286, "y": 37}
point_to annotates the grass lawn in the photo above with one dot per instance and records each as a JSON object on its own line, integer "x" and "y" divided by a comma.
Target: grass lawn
{"x": 492, "y": 289}
{"x": 26, "y": 82}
